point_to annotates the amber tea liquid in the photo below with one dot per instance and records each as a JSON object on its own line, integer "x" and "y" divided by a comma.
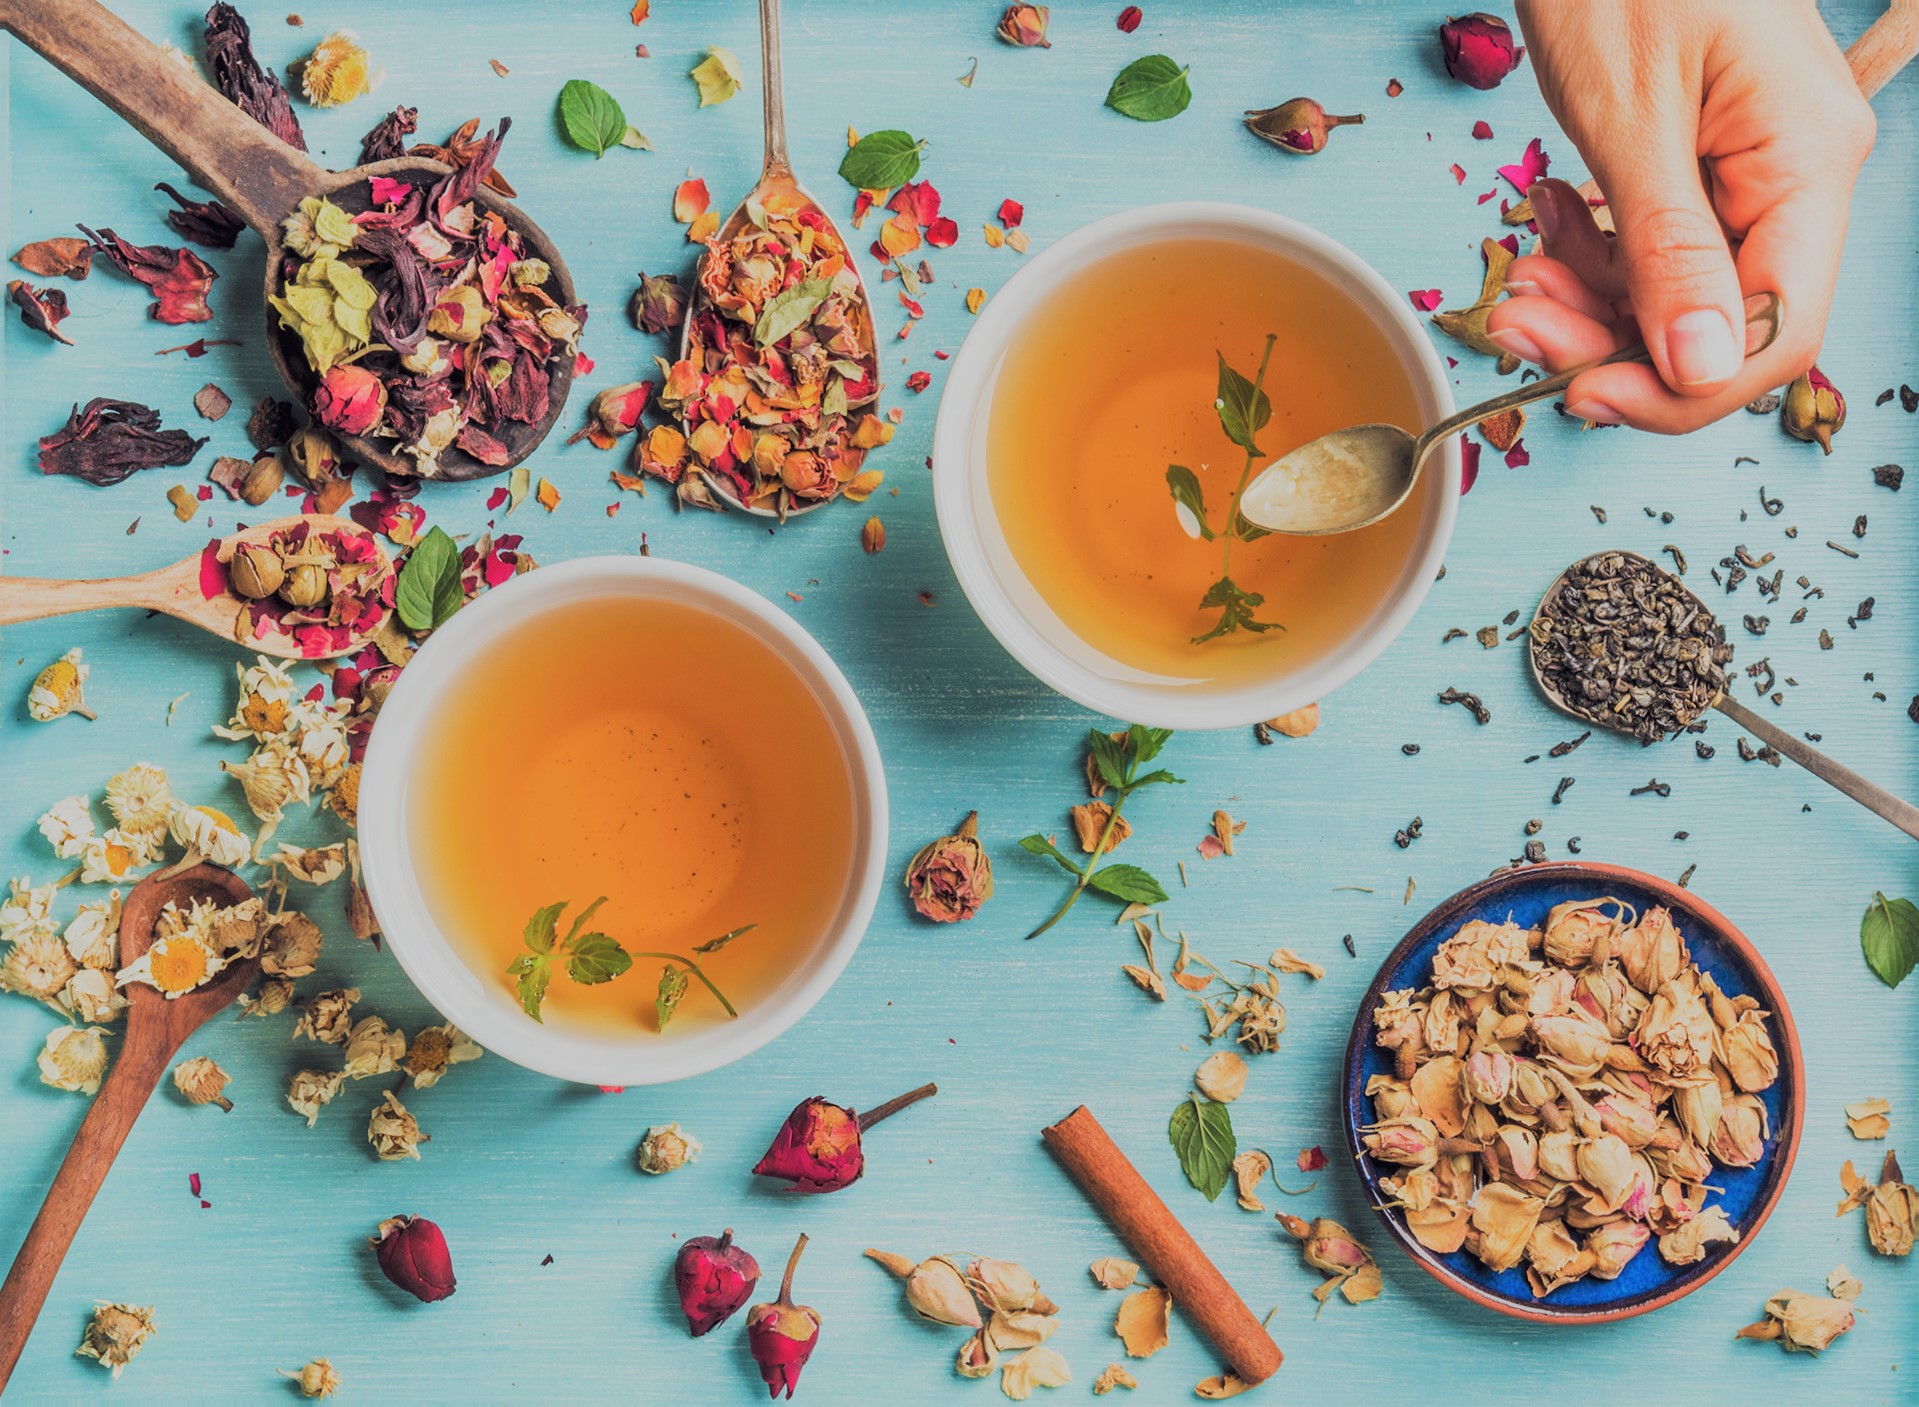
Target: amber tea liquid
{"x": 1114, "y": 380}
{"x": 657, "y": 754}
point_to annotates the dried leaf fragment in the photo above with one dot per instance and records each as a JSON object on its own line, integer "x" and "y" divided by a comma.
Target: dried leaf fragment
{"x": 1249, "y": 1170}
{"x": 1111, "y": 1376}
{"x": 64, "y": 257}
{"x": 1090, "y": 822}
{"x": 1223, "y": 1386}
{"x": 1468, "y": 325}
{"x": 212, "y": 402}
{"x": 1286, "y": 960}
{"x": 1502, "y": 431}
{"x": 1297, "y": 724}
{"x": 1143, "y": 1321}
{"x": 1221, "y": 1076}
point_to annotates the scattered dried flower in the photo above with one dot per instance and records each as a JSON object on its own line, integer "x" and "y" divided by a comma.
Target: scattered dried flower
{"x": 393, "y": 1132}
{"x": 337, "y": 71}
{"x": 1331, "y": 1249}
{"x": 1801, "y": 1323}
{"x": 666, "y": 1149}
{"x": 116, "y": 1334}
{"x": 1813, "y": 409}
{"x": 1143, "y": 1321}
{"x": 1298, "y": 125}
{"x": 1892, "y": 1206}
{"x": 1024, "y": 26}
{"x": 201, "y": 1081}
{"x": 1221, "y": 1076}
{"x": 60, "y": 689}
{"x": 1478, "y": 50}
{"x": 952, "y": 877}
{"x": 1869, "y": 1118}
{"x": 413, "y": 1254}
{"x": 316, "y": 1379}
{"x": 309, "y": 1090}
{"x": 782, "y": 1335}
{"x": 1112, "y": 1273}
{"x": 74, "y": 1058}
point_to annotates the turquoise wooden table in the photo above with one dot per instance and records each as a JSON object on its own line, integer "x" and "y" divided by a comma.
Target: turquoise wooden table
{"x": 562, "y": 1249}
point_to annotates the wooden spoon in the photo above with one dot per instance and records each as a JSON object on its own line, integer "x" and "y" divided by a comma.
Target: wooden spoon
{"x": 175, "y": 590}
{"x": 779, "y": 191}
{"x": 1902, "y": 814}
{"x": 262, "y": 179}
{"x": 156, "y": 1026}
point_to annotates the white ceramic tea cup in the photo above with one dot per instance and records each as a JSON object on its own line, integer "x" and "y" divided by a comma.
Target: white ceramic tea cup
{"x": 1006, "y": 599}
{"x": 482, "y": 1006}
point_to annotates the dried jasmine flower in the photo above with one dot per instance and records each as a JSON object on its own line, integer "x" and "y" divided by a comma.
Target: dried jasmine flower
{"x": 1221, "y": 1076}
{"x": 937, "y": 1288}
{"x": 74, "y": 1058}
{"x": 60, "y": 689}
{"x": 274, "y": 996}
{"x": 393, "y": 1132}
{"x": 116, "y": 1334}
{"x": 434, "y": 1049}
{"x": 308, "y": 1090}
{"x": 1801, "y": 1323}
{"x": 1892, "y": 1206}
{"x": 952, "y": 877}
{"x": 202, "y": 1082}
{"x": 316, "y": 1379}
{"x": 373, "y": 1048}
{"x": 328, "y": 1016}
{"x": 1330, "y": 1248}
{"x": 666, "y": 1148}
{"x": 67, "y": 826}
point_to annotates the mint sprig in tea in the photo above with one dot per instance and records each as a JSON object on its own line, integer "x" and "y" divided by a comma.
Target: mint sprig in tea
{"x": 1148, "y": 389}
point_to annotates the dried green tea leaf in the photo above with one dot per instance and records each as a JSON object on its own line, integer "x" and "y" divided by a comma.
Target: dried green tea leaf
{"x": 1889, "y": 934}
{"x": 1151, "y": 89}
{"x": 880, "y": 160}
{"x": 591, "y": 118}
{"x": 1202, "y": 1135}
{"x": 718, "y": 76}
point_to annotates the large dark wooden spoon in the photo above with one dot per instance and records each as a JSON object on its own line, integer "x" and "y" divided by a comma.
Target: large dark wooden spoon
{"x": 262, "y": 179}
{"x": 156, "y": 1028}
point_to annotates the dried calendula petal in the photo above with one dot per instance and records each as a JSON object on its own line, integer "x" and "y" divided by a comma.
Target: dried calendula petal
{"x": 1221, "y": 1076}
{"x": 1869, "y": 1118}
{"x": 1142, "y": 1322}
{"x": 1111, "y": 1376}
{"x": 1112, "y": 1273}
{"x": 1249, "y": 1170}
{"x": 1298, "y": 723}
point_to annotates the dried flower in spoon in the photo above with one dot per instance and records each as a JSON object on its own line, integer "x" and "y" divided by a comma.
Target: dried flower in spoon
{"x": 818, "y": 1147}
{"x": 782, "y": 1335}
{"x": 713, "y": 1278}
{"x": 951, "y": 878}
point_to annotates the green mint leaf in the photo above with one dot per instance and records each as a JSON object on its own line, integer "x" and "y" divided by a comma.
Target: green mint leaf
{"x": 590, "y": 117}
{"x": 1151, "y": 89}
{"x": 880, "y": 160}
{"x": 539, "y": 928}
{"x": 1154, "y": 779}
{"x": 1146, "y": 742}
{"x": 1243, "y": 408}
{"x": 1108, "y": 756}
{"x": 787, "y": 312}
{"x": 1889, "y": 934}
{"x": 533, "y": 973}
{"x": 1189, "y": 501}
{"x": 580, "y": 919}
{"x": 1236, "y": 609}
{"x": 428, "y": 591}
{"x": 635, "y": 139}
{"x": 1040, "y": 845}
{"x": 593, "y": 958}
{"x": 672, "y": 988}
{"x": 1202, "y": 1136}
{"x": 713, "y": 945}
{"x": 1127, "y": 883}
{"x": 1246, "y": 530}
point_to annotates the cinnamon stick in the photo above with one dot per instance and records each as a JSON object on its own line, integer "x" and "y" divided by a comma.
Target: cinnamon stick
{"x": 1114, "y": 1185}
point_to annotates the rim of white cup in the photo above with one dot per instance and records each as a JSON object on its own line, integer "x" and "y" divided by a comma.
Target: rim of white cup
{"x": 483, "y": 1008}
{"x": 1007, "y": 603}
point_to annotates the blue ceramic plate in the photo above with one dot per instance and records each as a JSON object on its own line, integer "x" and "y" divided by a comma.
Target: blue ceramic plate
{"x": 1749, "y": 1194}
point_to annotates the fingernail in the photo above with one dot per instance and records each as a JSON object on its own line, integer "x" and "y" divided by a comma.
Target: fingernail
{"x": 1596, "y": 411}
{"x": 1511, "y": 339}
{"x": 1700, "y": 347}
{"x": 1522, "y": 288}
{"x": 1545, "y": 215}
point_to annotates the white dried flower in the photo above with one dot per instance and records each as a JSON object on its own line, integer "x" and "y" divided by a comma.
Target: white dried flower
{"x": 373, "y": 1048}
{"x": 210, "y": 834}
{"x": 116, "y": 1333}
{"x": 140, "y": 799}
{"x": 38, "y": 965}
{"x": 115, "y": 856}
{"x": 27, "y": 909}
{"x": 174, "y": 965}
{"x": 266, "y": 698}
{"x": 273, "y": 778}
{"x": 292, "y": 946}
{"x": 93, "y": 934}
{"x": 274, "y": 996}
{"x": 202, "y": 1082}
{"x": 665, "y": 1149}
{"x": 91, "y": 996}
{"x": 328, "y": 1017}
{"x": 309, "y": 1089}
{"x": 321, "y": 864}
{"x": 433, "y": 1050}
{"x": 68, "y": 826}
{"x": 393, "y": 1132}
{"x": 75, "y": 1058}
{"x": 317, "y": 1379}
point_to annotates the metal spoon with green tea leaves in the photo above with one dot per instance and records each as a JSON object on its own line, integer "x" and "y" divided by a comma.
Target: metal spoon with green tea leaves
{"x": 1621, "y": 643}
{"x": 1354, "y": 477}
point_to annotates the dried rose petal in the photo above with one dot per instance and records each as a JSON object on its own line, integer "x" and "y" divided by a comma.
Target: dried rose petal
{"x": 1529, "y": 168}
{"x": 1425, "y": 299}
{"x": 205, "y": 222}
{"x": 178, "y": 278}
{"x": 40, "y": 309}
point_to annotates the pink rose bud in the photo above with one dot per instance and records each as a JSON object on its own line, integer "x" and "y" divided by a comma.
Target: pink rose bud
{"x": 350, "y": 399}
{"x": 952, "y": 877}
{"x": 781, "y": 1336}
{"x": 714, "y": 1278}
{"x": 1479, "y": 50}
{"x": 413, "y": 1255}
{"x": 818, "y": 1147}
{"x": 1024, "y": 26}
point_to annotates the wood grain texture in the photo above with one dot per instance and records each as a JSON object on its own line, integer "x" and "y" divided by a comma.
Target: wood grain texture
{"x": 519, "y": 1169}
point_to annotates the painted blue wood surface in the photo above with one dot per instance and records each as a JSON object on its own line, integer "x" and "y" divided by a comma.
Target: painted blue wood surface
{"x": 521, "y": 1168}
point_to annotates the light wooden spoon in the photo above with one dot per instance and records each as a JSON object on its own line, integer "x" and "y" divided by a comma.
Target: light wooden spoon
{"x": 779, "y": 190}
{"x": 156, "y": 1027}
{"x": 175, "y": 591}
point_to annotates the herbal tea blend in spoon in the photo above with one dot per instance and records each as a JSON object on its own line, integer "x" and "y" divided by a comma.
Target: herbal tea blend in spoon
{"x": 427, "y": 322}
{"x": 1354, "y": 477}
{"x": 777, "y": 378}
{"x": 1620, "y": 642}
{"x": 301, "y": 588}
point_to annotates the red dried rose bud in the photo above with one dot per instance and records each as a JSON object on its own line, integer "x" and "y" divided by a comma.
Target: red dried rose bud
{"x": 660, "y": 304}
{"x": 349, "y": 399}
{"x": 952, "y": 877}
{"x": 781, "y": 1336}
{"x": 1129, "y": 19}
{"x": 413, "y": 1255}
{"x": 1025, "y": 26}
{"x": 1297, "y": 125}
{"x": 818, "y": 1147}
{"x": 1479, "y": 50}
{"x": 1813, "y": 409}
{"x": 714, "y": 1278}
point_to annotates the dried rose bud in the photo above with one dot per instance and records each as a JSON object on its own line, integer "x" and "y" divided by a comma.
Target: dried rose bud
{"x": 1024, "y": 26}
{"x": 256, "y": 571}
{"x": 317, "y": 1379}
{"x": 461, "y": 315}
{"x": 782, "y": 1335}
{"x": 951, "y": 878}
{"x": 818, "y": 1147}
{"x": 202, "y": 1082}
{"x": 1813, "y": 409}
{"x": 263, "y": 479}
{"x": 1007, "y": 1288}
{"x": 316, "y": 456}
{"x": 1614, "y": 1244}
{"x": 714, "y": 1278}
{"x": 1801, "y": 1323}
{"x": 1479, "y": 50}
{"x": 666, "y": 1149}
{"x": 305, "y": 585}
{"x": 1488, "y": 1075}
{"x": 660, "y": 304}
{"x": 1298, "y": 125}
{"x": 350, "y": 399}
{"x": 413, "y": 1255}
{"x": 1410, "y": 1142}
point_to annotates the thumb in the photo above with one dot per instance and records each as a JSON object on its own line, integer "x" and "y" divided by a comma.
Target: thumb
{"x": 1678, "y": 269}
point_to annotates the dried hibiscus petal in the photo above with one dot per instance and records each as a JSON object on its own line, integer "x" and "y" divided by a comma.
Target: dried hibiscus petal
{"x": 238, "y": 74}
{"x": 205, "y": 222}
{"x": 179, "y": 279}
{"x": 54, "y": 258}
{"x": 40, "y": 309}
{"x": 387, "y": 137}
{"x": 106, "y": 441}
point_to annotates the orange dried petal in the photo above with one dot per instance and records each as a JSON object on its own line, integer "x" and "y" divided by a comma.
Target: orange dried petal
{"x": 704, "y": 228}
{"x": 995, "y": 236}
{"x": 690, "y": 200}
{"x": 546, "y": 495}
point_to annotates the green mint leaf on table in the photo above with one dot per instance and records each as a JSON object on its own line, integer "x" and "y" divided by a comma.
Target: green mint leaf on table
{"x": 1188, "y": 495}
{"x": 1117, "y": 761}
{"x": 787, "y": 312}
{"x": 1040, "y": 845}
{"x": 1243, "y": 407}
{"x": 591, "y": 118}
{"x": 672, "y": 988}
{"x": 1109, "y": 756}
{"x": 1151, "y": 89}
{"x": 880, "y": 160}
{"x": 593, "y": 958}
{"x": 1236, "y": 609}
{"x": 1889, "y": 934}
{"x": 428, "y": 592}
{"x": 1128, "y": 883}
{"x": 1202, "y": 1136}
{"x": 1146, "y": 742}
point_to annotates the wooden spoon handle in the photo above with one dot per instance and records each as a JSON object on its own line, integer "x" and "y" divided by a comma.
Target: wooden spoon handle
{"x": 222, "y": 148}
{"x": 115, "y": 1107}
{"x": 24, "y": 598}
{"x": 1885, "y": 48}
{"x": 1902, "y": 814}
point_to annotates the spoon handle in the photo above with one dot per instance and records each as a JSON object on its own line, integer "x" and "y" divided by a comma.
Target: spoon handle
{"x": 222, "y": 148}
{"x": 1902, "y": 814}
{"x": 123, "y": 1094}
{"x": 25, "y": 598}
{"x": 1763, "y": 320}
{"x": 772, "y": 92}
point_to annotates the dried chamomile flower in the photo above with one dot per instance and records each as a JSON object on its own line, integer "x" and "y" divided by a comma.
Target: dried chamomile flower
{"x": 308, "y": 1090}
{"x": 93, "y": 933}
{"x": 328, "y": 1017}
{"x": 237, "y": 929}
{"x": 316, "y": 1379}
{"x": 373, "y": 1048}
{"x": 174, "y": 964}
{"x": 343, "y": 798}
{"x": 1112, "y": 1273}
{"x": 434, "y": 1049}
{"x": 1331, "y": 1249}
{"x": 74, "y": 1058}
{"x": 1892, "y": 1206}
{"x": 90, "y": 996}
{"x": 1869, "y": 1118}
{"x": 1143, "y": 1321}
{"x": 209, "y": 834}
{"x": 68, "y": 826}
{"x": 291, "y": 947}
{"x": 27, "y": 909}
{"x": 274, "y": 996}
{"x": 1801, "y": 1323}
{"x": 336, "y": 72}
{"x": 141, "y": 800}
{"x": 316, "y": 866}
{"x": 266, "y": 698}
{"x": 272, "y": 779}
{"x": 1221, "y": 1076}
{"x": 59, "y": 689}
{"x": 38, "y": 965}
{"x": 202, "y": 1082}
{"x": 110, "y": 858}
{"x": 393, "y": 1132}
{"x": 323, "y": 742}
{"x": 1037, "y": 1367}
{"x": 116, "y": 1333}
{"x": 666, "y": 1148}
{"x": 1249, "y": 1170}
{"x": 1111, "y": 1376}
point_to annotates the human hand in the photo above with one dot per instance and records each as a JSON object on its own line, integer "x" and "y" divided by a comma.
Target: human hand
{"x": 1726, "y": 143}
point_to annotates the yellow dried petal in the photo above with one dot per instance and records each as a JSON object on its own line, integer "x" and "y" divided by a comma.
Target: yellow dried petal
{"x": 975, "y": 299}
{"x": 1112, "y": 1273}
{"x": 337, "y": 71}
{"x": 1143, "y": 1321}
